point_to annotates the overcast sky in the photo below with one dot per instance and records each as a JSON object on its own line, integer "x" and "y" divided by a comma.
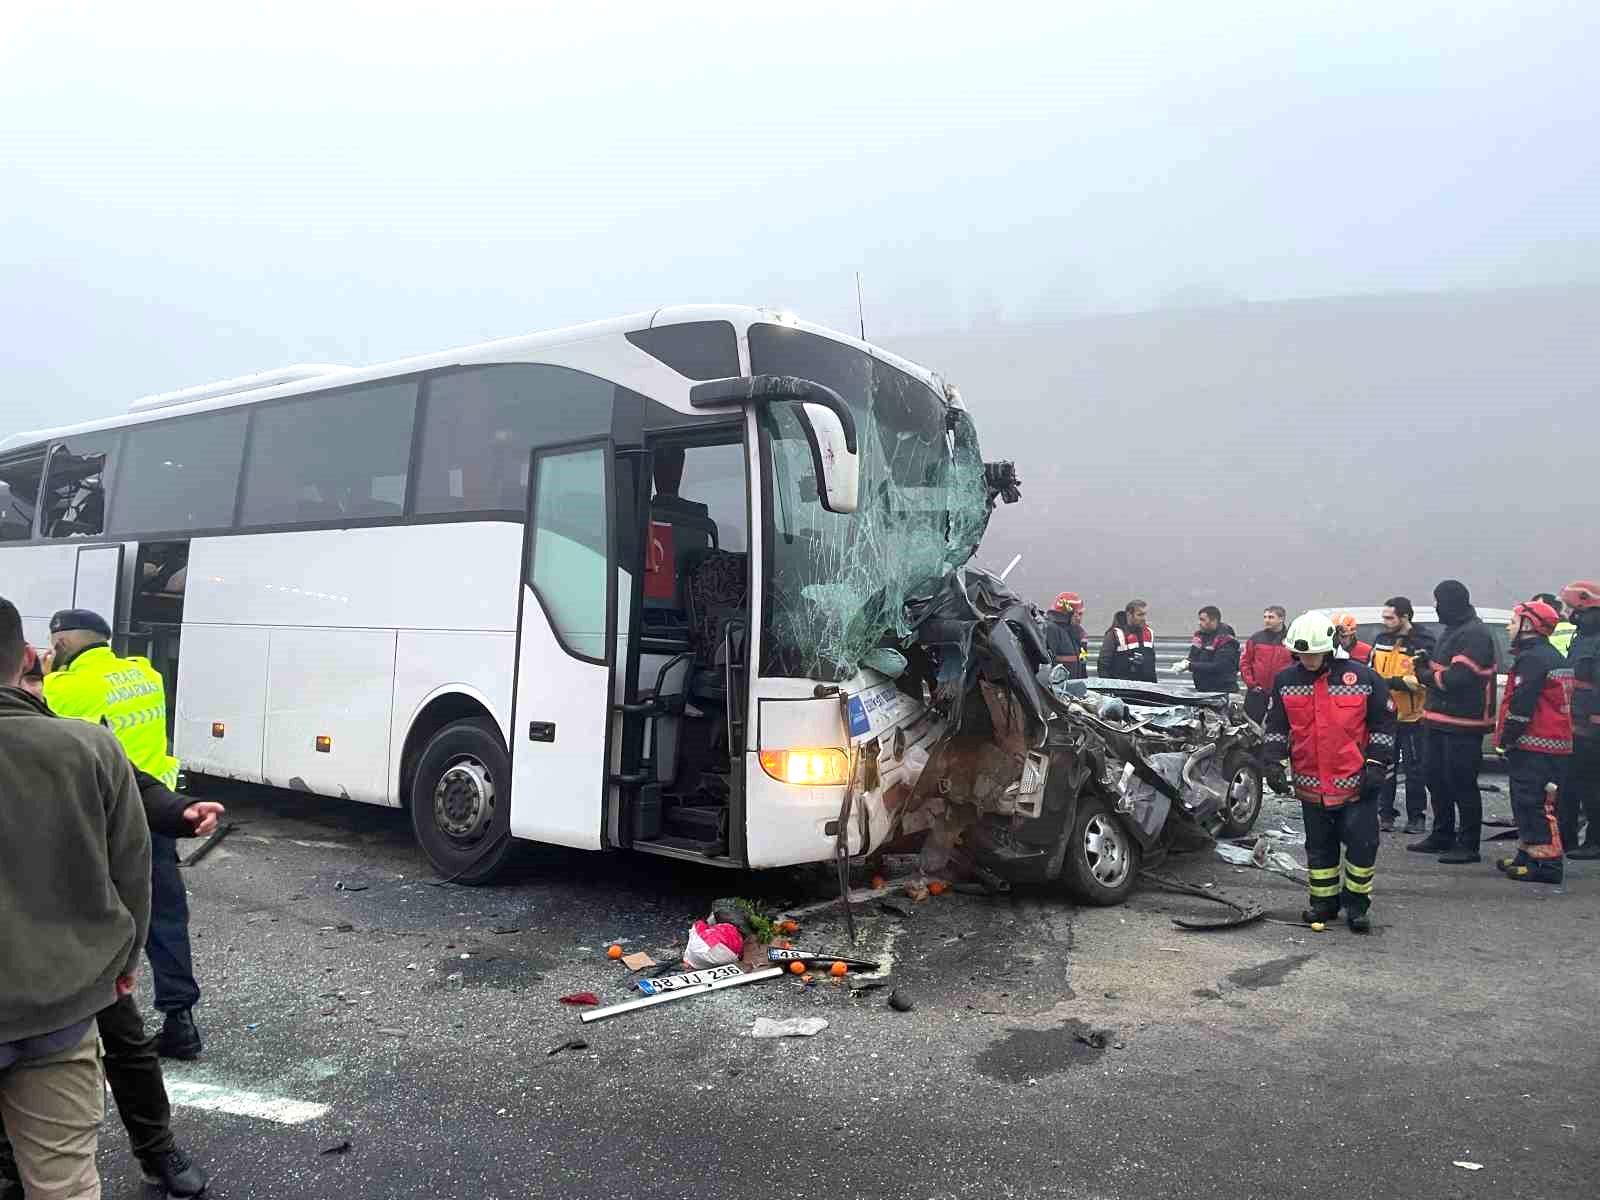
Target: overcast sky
{"x": 186, "y": 193}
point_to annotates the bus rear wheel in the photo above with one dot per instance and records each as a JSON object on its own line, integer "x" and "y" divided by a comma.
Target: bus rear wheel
{"x": 460, "y": 802}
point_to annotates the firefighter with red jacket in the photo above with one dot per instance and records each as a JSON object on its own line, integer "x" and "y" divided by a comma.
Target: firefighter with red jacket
{"x": 1334, "y": 720}
{"x": 1534, "y": 732}
{"x": 1263, "y": 657}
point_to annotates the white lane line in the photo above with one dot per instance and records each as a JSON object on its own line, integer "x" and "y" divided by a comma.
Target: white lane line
{"x": 210, "y": 1097}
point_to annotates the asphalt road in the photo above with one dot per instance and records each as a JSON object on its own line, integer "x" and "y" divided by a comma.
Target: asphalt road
{"x": 1268, "y": 1061}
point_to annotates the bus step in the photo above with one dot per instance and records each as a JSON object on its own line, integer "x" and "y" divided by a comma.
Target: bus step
{"x": 697, "y": 822}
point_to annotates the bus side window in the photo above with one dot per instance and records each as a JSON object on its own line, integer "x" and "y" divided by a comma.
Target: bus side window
{"x": 76, "y": 484}
{"x": 568, "y": 565}
{"x": 19, "y": 494}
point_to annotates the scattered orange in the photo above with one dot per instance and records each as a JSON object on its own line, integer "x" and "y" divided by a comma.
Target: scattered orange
{"x": 614, "y": 952}
{"x": 797, "y": 967}
{"x": 877, "y": 881}
{"x": 787, "y": 926}
{"x": 936, "y": 888}
{"x": 838, "y": 969}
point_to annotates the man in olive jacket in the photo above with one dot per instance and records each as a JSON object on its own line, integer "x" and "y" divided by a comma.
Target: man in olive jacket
{"x": 74, "y": 913}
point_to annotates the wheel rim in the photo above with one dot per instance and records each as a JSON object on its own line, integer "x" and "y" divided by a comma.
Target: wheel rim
{"x": 1243, "y": 794}
{"x": 1105, "y": 847}
{"x": 463, "y": 800}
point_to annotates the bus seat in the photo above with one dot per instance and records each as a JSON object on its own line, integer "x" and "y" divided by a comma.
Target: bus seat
{"x": 714, "y": 592}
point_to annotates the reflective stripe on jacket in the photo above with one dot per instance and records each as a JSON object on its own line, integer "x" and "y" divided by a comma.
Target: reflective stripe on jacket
{"x": 1330, "y": 722}
{"x": 1461, "y": 679}
{"x": 1126, "y": 655}
{"x": 127, "y": 696}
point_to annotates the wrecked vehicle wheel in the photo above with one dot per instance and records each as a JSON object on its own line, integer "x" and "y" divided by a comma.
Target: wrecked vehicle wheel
{"x": 1245, "y": 789}
{"x": 459, "y": 802}
{"x": 1102, "y": 863}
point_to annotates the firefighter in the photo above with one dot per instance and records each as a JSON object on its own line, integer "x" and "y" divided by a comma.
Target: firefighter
{"x": 1064, "y": 635}
{"x": 1347, "y": 639}
{"x": 1581, "y": 796}
{"x": 1334, "y": 720}
{"x": 1534, "y": 732}
{"x": 88, "y": 681}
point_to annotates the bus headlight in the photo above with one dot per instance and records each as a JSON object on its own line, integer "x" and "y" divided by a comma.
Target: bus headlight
{"x": 822, "y": 767}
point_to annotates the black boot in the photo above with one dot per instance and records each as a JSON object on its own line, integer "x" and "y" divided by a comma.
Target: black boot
{"x": 1457, "y": 855}
{"x": 1506, "y": 865}
{"x": 175, "y": 1172}
{"x": 1319, "y": 915}
{"x": 1359, "y": 922}
{"x": 1416, "y": 825}
{"x": 1589, "y": 851}
{"x": 180, "y": 1037}
{"x": 1546, "y": 870}
{"x": 1434, "y": 843}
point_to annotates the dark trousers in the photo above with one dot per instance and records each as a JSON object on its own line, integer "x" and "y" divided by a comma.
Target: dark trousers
{"x": 1454, "y": 759}
{"x": 1581, "y": 795}
{"x": 171, "y": 960}
{"x": 1255, "y": 704}
{"x": 1408, "y": 755}
{"x": 133, "y": 1069}
{"x": 1352, "y": 827}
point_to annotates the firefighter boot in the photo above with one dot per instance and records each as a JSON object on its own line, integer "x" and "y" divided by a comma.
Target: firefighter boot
{"x": 1359, "y": 922}
{"x": 1320, "y": 914}
{"x": 1507, "y": 865}
{"x": 1539, "y": 870}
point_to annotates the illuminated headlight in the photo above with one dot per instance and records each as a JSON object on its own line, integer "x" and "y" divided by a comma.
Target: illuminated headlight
{"x": 807, "y": 768}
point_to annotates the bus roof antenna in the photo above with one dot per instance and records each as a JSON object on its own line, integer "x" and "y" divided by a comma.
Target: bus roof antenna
{"x": 861, "y": 314}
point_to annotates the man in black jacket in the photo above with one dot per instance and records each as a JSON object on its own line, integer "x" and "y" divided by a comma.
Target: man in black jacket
{"x": 1581, "y": 797}
{"x": 1458, "y": 710}
{"x": 1213, "y": 654}
{"x": 132, "y": 1066}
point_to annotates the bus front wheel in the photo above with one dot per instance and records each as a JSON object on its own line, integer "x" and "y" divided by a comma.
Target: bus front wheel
{"x": 460, "y": 802}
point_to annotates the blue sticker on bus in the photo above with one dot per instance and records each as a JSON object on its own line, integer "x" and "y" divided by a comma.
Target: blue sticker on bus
{"x": 858, "y": 718}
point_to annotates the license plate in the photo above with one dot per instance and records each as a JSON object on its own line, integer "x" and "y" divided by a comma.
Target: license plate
{"x": 671, "y": 983}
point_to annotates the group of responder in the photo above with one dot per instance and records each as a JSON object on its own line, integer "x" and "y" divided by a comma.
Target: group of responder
{"x": 88, "y": 881}
{"x": 1347, "y": 715}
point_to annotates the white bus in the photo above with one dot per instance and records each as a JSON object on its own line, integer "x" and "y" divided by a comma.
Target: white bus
{"x": 609, "y": 586}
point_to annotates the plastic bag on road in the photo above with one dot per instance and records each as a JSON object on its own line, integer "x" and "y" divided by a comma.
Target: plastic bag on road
{"x": 766, "y": 1027}
{"x": 712, "y": 946}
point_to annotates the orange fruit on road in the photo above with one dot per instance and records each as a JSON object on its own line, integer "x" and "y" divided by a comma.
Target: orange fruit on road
{"x": 936, "y": 888}
{"x": 614, "y": 952}
{"x": 877, "y": 881}
{"x": 797, "y": 967}
{"x": 838, "y": 969}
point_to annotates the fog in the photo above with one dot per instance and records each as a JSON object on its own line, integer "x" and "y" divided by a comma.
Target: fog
{"x": 1328, "y": 452}
{"x": 1117, "y": 227}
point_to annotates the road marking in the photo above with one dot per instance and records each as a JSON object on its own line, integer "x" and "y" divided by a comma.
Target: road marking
{"x": 210, "y": 1097}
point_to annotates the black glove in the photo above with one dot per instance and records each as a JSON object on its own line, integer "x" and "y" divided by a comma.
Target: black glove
{"x": 1373, "y": 775}
{"x": 1420, "y": 662}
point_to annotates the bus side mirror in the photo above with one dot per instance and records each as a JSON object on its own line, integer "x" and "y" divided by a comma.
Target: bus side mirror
{"x": 829, "y": 425}
{"x": 838, "y": 466}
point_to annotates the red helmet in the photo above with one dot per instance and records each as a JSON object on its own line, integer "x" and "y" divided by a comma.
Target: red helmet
{"x": 1070, "y": 600}
{"x": 1540, "y": 615}
{"x": 1581, "y": 595}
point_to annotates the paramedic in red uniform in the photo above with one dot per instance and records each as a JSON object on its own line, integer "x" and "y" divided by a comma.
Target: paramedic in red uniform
{"x": 1535, "y": 734}
{"x": 1334, "y": 720}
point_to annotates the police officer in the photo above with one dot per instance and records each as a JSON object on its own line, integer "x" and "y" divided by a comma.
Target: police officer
{"x": 87, "y": 680}
{"x": 1334, "y": 720}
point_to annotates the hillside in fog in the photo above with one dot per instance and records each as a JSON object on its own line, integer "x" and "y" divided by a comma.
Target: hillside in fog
{"x": 1320, "y": 451}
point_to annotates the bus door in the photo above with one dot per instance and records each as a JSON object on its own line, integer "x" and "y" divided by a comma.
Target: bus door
{"x": 96, "y": 578}
{"x": 566, "y": 648}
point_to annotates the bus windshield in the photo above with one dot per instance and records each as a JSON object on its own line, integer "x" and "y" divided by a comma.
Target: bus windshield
{"x": 836, "y": 584}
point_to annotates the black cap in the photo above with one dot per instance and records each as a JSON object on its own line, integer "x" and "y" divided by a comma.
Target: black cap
{"x": 79, "y": 618}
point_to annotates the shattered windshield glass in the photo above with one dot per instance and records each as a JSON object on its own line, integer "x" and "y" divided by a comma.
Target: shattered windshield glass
{"x": 837, "y": 583}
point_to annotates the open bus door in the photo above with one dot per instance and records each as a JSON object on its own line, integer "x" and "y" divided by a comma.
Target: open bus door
{"x": 567, "y": 648}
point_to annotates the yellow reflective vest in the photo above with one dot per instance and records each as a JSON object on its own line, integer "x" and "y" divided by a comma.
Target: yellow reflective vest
{"x": 125, "y": 695}
{"x": 1561, "y": 639}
